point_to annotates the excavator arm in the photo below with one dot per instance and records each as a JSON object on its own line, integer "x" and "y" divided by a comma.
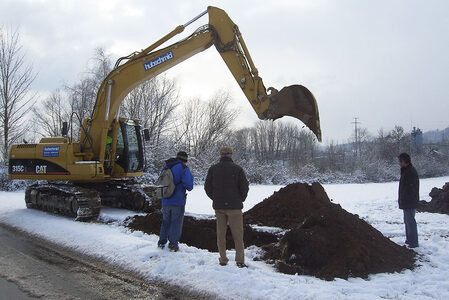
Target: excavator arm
{"x": 296, "y": 101}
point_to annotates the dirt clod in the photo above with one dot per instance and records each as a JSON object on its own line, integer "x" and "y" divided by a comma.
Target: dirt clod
{"x": 321, "y": 238}
{"x": 439, "y": 202}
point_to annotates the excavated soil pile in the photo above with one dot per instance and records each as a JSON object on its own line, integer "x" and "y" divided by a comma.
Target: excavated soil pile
{"x": 439, "y": 203}
{"x": 321, "y": 238}
{"x": 324, "y": 240}
{"x": 200, "y": 233}
{"x": 290, "y": 206}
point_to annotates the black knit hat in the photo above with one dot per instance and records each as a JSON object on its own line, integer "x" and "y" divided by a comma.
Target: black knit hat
{"x": 182, "y": 155}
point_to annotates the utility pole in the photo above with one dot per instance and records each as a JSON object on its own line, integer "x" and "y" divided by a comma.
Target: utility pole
{"x": 356, "y": 133}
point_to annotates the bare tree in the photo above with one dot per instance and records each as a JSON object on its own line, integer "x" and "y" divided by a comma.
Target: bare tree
{"x": 16, "y": 77}
{"x": 205, "y": 125}
{"x": 240, "y": 141}
{"x": 153, "y": 103}
{"x": 50, "y": 114}
{"x": 82, "y": 95}
{"x": 99, "y": 66}
{"x": 275, "y": 141}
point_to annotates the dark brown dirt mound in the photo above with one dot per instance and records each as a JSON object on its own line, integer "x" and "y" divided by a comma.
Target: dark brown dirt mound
{"x": 325, "y": 240}
{"x": 439, "y": 203}
{"x": 322, "y": 240}
{"x": 200, "y": 233}
{"x": 289, "y": 207}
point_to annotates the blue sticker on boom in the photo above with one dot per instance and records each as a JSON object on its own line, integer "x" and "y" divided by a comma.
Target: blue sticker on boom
{"x": 51, "y": 151}
{"x": 158, "y": 60}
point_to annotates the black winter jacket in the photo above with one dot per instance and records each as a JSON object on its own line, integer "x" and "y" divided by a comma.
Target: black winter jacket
{"x": 408, "y": 188}
{"x": 226, "y": 185}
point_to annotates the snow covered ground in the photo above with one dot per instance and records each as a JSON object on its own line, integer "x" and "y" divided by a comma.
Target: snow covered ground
{"x": 198, "y": 269}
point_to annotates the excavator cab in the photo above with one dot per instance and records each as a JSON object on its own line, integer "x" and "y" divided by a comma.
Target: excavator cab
{"x": 130, "y": 147}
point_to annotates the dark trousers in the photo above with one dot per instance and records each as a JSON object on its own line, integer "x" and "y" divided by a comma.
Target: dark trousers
{"x": 411, "y": 230}
{"x": 171, "y": 228}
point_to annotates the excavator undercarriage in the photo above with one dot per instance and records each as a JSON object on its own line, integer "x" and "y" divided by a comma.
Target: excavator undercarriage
{"x": 83, "y": 201}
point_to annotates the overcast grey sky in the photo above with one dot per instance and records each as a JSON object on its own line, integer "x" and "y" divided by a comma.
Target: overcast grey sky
{"x": 386, "y": 62}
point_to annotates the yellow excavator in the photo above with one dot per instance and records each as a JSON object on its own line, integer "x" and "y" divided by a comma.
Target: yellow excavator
{"x": 80, "y": 176}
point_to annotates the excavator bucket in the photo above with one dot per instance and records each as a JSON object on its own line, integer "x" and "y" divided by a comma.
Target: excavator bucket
{"x": 295, "y": 101}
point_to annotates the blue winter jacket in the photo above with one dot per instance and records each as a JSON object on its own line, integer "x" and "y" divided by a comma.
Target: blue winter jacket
{"x": 183, "y": 179}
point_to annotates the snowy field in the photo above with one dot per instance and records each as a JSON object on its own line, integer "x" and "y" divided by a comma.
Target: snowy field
{"x": 198, "y": 269}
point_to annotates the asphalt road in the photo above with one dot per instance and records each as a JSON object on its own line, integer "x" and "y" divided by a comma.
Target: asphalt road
{"x": 9, "y": 290}
{"x": 33, "y": 268}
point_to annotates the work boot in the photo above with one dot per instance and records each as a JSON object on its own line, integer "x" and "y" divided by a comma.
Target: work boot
{"x": 161, "y": 246}
{"x": 223, "y": 261}
{"x": 173, "y": 248}
{"x": 241, "y": 265}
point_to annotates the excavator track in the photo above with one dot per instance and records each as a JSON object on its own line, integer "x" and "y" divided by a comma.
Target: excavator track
{"x": 84, "y": 201}
{"x": 127, "y": 194}
{"x": 64, "y": 199}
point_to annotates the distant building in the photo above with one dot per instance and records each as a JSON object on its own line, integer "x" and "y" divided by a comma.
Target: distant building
{"x": 417, "y": 140}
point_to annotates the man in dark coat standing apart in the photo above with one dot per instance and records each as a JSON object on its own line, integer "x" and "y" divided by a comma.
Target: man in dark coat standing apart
{"x": 409, "y": 198}
{"x": 227, "y": 186}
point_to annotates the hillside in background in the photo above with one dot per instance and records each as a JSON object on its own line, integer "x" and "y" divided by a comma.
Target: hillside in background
{"x": 436, "y": 136}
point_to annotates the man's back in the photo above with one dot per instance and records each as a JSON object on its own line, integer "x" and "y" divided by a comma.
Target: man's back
{"x": 183, "y": 181}
{"x": 408, "y": 188}
{"x": 226, "y": 185}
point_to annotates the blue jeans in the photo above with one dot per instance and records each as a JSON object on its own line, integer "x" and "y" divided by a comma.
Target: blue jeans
{"x": 411, "y": 230}
{"x": 171, "y": 228}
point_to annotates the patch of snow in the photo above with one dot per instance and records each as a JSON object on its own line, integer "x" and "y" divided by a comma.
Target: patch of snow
{"x": 274, "y": 230}
{"x": 110, "y": 215}
{"x": 200, "y": 216}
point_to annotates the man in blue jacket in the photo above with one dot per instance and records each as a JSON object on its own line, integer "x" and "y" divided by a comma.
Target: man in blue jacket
{"x": 173, "y": 208}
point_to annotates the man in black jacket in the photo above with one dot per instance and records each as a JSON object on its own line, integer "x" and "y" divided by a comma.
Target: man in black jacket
{"x": 227, "y": 186}
{"x": 409, "y": 198}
